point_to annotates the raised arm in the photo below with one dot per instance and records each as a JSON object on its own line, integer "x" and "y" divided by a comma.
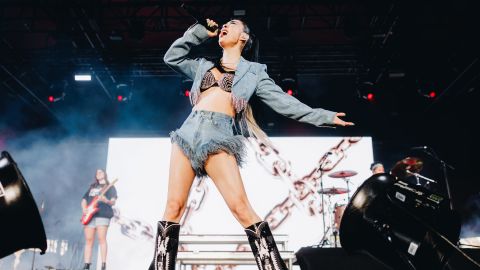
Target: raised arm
{"x": 284, "y": 104}
{"x": 177, "y": 55}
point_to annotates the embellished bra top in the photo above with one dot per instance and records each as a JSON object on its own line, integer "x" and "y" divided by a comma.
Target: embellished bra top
{"x": 225, "y": 82}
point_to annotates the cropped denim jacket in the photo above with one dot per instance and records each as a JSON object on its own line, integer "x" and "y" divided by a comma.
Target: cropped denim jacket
{"x": 250, "y": 78}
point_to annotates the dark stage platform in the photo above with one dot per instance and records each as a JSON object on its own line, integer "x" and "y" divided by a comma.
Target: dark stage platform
{"x": 310, "y": 258}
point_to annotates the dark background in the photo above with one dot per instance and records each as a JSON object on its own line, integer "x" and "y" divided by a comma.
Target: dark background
{"x": 337, "y": 52}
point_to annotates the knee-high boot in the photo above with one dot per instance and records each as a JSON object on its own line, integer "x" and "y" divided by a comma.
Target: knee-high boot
{"x": 166, "y": 246}
{"x": 264, "y": 248}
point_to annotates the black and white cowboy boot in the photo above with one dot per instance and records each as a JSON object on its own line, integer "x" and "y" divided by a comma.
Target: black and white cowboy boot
{"x": 264, "y": 248}
{"x": 166, "y": 246}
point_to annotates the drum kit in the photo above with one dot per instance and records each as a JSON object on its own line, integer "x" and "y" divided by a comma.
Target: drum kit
{"x": 338, "y": 207}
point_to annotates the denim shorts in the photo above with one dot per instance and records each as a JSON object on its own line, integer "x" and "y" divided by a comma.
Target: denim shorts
{"x": 204, "y": 133}
{"x": 98, "y": 221}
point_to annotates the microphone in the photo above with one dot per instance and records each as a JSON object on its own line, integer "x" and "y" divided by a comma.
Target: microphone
{"x": 200, "y": 18}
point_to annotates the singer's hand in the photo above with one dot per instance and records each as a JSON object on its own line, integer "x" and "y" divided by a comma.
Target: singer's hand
{"x": 212, "y": 23}
{"x": 340, "y": 122}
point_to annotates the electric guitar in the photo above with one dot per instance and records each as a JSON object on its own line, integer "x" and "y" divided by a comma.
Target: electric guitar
{"x": 92, "y": 207}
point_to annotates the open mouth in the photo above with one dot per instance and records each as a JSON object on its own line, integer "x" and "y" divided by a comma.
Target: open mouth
{"x": 223, "y": 32}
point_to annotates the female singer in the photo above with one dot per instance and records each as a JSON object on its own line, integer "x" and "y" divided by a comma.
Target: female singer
{"x": 206, "y": 144}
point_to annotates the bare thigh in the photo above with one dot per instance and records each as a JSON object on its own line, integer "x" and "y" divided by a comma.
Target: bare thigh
{"x": 180, "y": 179}
{"x": 89, "y": 233}
{"x": 102, "y": 233}
{"x": 224, "y": 172}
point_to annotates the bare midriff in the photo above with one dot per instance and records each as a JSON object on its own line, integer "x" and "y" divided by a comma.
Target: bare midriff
{"x": 215, "y": 99}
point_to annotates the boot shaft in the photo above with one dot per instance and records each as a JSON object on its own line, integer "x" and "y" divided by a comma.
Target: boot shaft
{"x": 264, "y": 247}
{"x": 166, "y": 246}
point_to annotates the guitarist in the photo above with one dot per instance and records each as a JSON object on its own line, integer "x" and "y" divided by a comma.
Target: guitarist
{"x": 101, "y": 219}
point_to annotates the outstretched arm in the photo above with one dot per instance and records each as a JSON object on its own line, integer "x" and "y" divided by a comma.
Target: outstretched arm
{"x": 284, "y": 104}
{"x": 176, "y": 56}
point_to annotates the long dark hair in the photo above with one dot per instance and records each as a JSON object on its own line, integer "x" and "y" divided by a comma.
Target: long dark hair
{"x": 250, "y": 52}
{"x": 95, "y": 180}
{"x": 251, "y": 48}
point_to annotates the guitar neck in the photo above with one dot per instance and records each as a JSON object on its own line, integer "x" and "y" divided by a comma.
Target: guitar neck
{"x": 107, "y": 187}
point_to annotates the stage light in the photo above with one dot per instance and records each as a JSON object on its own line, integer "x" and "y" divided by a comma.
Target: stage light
{"x": 185, "y": 86}
{"x": 289, "y": 85}
{"x": 427, "y": 89}
{"x": 121, "y": 98}
{"x": 123, "y": 93}
{"x": 115, "y": 36}
{"x": 21, "y": 223}
{"x": 57, "y": 97}
{"x": 367, "y": 90}
{"x": 402, "y": 225}
{"x": 239, "y": 12}
{"x": 11, "y": 194}
{"x": 4, "y": 162}
{"x": 427, "y": 93}
{"x": 83, "y": 77}
{"x": 396, "y": 74}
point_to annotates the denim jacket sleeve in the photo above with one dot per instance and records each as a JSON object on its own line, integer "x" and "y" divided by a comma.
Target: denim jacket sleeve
{"x": 281, "y": 102}
{"x": 176, "y": 56}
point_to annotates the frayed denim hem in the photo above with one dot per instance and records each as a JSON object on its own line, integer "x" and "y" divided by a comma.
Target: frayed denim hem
{"x": 232, "y": 145}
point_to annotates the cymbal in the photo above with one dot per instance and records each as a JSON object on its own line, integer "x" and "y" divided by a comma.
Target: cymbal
{"x": 342, "y": 174}
{"x": 412, "y": 164}
{"x": 333, "y": 190}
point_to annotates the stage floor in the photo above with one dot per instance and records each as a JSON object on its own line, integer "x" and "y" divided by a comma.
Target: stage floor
{"x": 310, "y": 258}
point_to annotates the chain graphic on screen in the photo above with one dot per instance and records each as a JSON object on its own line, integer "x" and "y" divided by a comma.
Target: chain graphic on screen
{"x": 136, "y": 229}
{"x": 303, "y": 191}
{"x": 195, "y": 201}
{"x": 132, "y": 228}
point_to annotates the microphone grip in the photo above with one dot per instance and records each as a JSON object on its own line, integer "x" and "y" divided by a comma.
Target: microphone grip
{"x": 199, "y": 17}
